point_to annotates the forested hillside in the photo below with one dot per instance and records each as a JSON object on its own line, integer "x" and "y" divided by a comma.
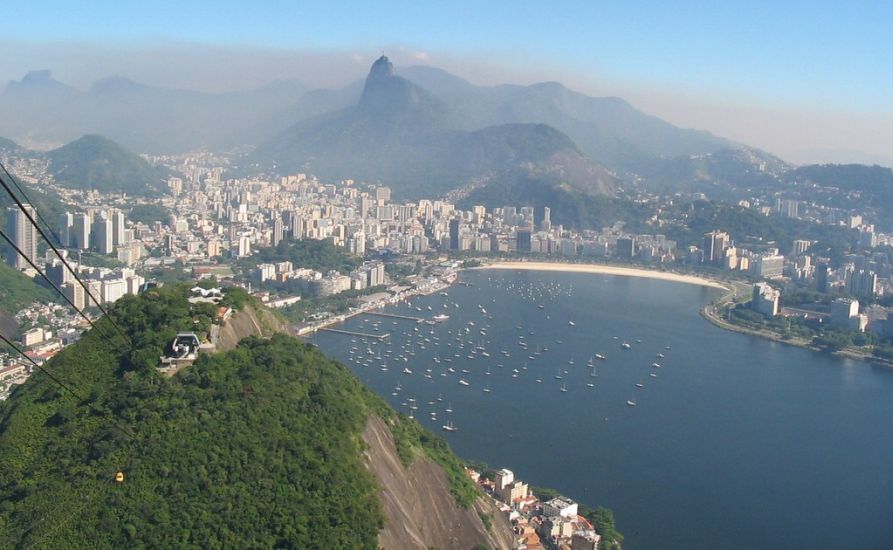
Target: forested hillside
{"x": 257, "y": 447}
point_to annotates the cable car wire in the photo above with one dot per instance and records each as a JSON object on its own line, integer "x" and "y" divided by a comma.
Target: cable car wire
{"x": 47, "y": 279}
{"x": 29, "y": 201}
{"x": 64, "y": 261}
{"x": 125, "y": 430}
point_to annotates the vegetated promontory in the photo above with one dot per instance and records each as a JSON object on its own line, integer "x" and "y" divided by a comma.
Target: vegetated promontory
{"x": 270, "y": 444}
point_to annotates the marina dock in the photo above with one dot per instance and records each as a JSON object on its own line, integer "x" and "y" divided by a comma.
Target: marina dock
{"x": 394, "y": 316}
{"x": 357, "y": 334}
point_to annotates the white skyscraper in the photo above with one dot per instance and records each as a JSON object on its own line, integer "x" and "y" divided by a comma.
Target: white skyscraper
{"x": 278, "y": 231}
{"x": 102, "y": 236}
{"x": 66, "y": 222}
{"x": 118, "y": 228}
{"x": 80, "y": 237}
{"x": 23, "y": 234}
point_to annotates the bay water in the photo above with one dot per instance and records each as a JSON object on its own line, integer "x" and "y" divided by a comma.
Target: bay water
{"x": 733, "y": 441}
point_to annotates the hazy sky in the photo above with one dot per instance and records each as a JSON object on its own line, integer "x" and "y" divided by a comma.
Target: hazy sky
{"x": 810, "y": 81}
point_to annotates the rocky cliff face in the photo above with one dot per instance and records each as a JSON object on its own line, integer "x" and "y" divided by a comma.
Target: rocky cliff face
{"x": 419, "y": 509}
{"x": 249, "y": 322}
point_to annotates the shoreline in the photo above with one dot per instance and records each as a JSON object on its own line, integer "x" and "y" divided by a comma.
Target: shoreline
{"x": 708, "y": 311}
{"x": 605, "y": 269}
{"x": 311, "y": 328}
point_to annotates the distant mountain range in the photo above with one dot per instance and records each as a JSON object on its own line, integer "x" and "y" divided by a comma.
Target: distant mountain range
{"x": 423, "y": 131}
{"x": 41, "y": 111}
{"x": 401, "y": 134}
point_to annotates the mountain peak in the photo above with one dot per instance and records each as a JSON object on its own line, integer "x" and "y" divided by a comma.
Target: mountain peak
{"x": 37, "y": 80}
{"x": 382, "y": 68}
{"x": 38, "y": 77}
{"x": 386, "y": 93}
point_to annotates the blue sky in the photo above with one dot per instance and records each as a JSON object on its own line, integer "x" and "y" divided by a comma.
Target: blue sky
{"x": 838, "y": 52}
{"x": 822, "y": 56}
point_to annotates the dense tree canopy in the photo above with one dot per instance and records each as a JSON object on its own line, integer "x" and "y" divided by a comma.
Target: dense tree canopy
{"x": 257, "y": 447}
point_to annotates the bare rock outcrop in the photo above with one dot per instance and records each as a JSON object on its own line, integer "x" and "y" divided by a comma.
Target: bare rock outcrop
{"x": 419, "y": 509}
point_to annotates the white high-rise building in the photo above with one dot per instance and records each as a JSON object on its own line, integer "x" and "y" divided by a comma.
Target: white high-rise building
{"x": 113, "y": 289}
{"x": 20, "y": 231}
{"x": 103, "y": 238}
{"x": 278, "y": 231}
{"x": 118, "y": 229}
{"x": 765, "y": 299}
{"x": 80, "y": 237}
{"x": 66, "y": 222}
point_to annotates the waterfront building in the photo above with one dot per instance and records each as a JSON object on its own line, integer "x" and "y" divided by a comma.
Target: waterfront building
{"x": 454, "y": 234}
{"x": 765, "y": 299}
{"x": 768, "y": 266}
{"x": 715, "y": 244}
{"x": 560, "y": 507}
{"x": 523, "y": 238}
{"x": 546, "y": 224}
{"x": 625, "y": 248}
{"x": 843, "y": 310}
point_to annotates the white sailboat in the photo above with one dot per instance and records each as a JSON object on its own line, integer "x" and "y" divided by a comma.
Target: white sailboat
{"x": 591, "y": 383}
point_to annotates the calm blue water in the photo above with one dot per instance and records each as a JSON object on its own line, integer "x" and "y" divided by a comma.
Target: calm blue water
{"x": 737, "y": 443}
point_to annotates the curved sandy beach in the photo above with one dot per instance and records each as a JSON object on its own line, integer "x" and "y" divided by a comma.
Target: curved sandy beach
{"x": 606, "y": 270}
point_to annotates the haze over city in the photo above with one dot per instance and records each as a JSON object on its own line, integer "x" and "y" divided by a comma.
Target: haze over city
{"x": 806, "y": 81}
{"x": 472, "y": 275}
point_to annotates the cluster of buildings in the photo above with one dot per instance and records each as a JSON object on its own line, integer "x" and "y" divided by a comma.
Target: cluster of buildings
{"x": 536, "y": 524}
{"x": 51, "y": 327}
{"x": 368, "y": 275}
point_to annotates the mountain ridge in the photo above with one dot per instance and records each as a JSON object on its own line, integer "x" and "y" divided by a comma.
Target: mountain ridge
{"x": 400, "y": 134}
